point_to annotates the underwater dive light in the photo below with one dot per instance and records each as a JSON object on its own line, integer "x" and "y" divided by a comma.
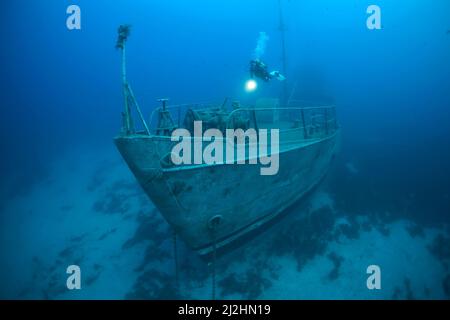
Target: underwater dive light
{"x": 251, "y": 85}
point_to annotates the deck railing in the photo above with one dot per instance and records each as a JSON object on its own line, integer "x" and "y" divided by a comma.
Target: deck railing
{"x": 314, "y": 122}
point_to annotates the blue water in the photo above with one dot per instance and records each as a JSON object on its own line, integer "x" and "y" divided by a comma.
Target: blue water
{"x": 61, "y": 91}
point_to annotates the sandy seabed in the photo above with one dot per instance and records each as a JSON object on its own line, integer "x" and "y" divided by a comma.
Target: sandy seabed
{"x": 91, "y": 212}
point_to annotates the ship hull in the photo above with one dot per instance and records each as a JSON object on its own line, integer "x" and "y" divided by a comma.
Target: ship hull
{"x": 243, "y": 199}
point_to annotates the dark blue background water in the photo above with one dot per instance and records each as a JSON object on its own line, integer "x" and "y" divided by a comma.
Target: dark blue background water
{"x": 61, "y": 88}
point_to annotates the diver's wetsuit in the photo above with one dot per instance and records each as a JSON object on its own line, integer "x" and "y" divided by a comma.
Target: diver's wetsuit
{"x": 259, "y": 69}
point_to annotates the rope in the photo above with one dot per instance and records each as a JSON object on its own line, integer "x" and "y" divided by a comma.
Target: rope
{"x": 175, "y": 257}
{"x": 213, "y": 223}
{"x": 214, "y": 266}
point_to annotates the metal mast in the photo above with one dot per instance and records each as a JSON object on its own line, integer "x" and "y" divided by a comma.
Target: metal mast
{"x": 128, "y": 126}
{"x": 282, "y": 29}
{"x": 123, "y": 33}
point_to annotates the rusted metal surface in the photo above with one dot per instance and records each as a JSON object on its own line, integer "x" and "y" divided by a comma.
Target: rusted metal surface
{"x": 188, "y": 197}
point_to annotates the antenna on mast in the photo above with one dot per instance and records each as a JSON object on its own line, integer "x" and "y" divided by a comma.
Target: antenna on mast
{"x": 128, "y": 126}
{"x": 123, "y": 33}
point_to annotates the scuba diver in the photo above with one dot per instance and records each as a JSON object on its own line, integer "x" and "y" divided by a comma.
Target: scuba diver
{"x": 259, "y": 69}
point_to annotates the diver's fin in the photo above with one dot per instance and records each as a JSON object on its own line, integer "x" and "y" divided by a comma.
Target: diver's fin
{"x": 277, "y": 75}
